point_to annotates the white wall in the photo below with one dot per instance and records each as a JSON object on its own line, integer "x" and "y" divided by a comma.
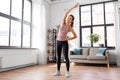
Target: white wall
{"x": 11, "y": 58}
{"x": 58, "y": 10}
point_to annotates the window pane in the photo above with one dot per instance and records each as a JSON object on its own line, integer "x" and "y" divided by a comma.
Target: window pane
{"x": 27, "y": 10}
{"x": 111, "y": 36}
{"x": 98, "y": 17}
{"x": 15, "y": 33}
{"x": 99, "y": 31}
{"x": 85, "y": 41}
{"x": 26, "y": 36}
{"x": 85, "y": 15}
{"x": 109, "y": 8}
{"x": 17, "y": 8}
{"x": 4, "y": 31}
{"x": 5, "y": 6}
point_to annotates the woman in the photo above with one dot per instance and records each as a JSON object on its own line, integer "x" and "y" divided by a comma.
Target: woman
{"x": 62, "y": 41}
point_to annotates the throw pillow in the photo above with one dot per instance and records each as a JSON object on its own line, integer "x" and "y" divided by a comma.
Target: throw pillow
{"x": 100, "y": 51}
{"x": 77, "y": 51}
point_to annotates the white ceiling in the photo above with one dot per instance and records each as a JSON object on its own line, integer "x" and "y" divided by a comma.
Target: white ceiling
{"x": 53, "y": 1}
{"x": 61, "y": 1}
{"x": 58, "y": 1}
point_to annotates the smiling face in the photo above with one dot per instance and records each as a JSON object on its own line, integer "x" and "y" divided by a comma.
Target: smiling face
{"x": 70, "y": 19}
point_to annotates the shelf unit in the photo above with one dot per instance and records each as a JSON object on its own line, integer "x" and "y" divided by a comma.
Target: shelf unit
{"x": 52, "y": 44}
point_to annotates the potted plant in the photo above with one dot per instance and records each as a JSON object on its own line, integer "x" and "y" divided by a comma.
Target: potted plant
{"x": 94, "y": 37}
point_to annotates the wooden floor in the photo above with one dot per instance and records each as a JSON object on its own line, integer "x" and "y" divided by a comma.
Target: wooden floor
{"x": 78, "y": 72}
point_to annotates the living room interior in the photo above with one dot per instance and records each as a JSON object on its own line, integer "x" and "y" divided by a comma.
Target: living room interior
{"x": 28, "y": 29}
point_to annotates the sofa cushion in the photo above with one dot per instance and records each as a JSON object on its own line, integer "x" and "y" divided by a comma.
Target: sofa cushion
{"x": 93, "y": 51}
{"x": 77, "y": 51}
{"x": 78, "y": 57}
{"x": 85, "y": 51}
{"x": 96, "y": 57}
{"x": 101, "y": 51}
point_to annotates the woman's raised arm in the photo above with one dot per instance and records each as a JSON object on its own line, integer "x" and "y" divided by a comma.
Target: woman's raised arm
{"x": 68, "y": 11}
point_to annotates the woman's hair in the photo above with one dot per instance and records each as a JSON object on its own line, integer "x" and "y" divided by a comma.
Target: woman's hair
{"x": 72, "y": 20}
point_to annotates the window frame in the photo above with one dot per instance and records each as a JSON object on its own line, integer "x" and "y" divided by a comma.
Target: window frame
{"x": 22, "y": 21}
{"x": 91, "y": 25}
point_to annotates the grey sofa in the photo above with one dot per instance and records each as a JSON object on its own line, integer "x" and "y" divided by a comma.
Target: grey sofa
{"x": 89, "y": 56}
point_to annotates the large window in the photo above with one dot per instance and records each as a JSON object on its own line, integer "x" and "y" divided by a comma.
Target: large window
{"x": 15, "y": 21}
{"x": 97, "y": 18}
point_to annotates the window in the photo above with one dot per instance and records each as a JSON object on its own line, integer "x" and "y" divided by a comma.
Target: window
{"x": 85, "y": 15}
{"x": 17, "y": 8}
{"x": 85, "y": 41}
{"x": 15, "y": 33}
{"x": 15, "y": 21}
{"x": 109, "y": 12}
{"x": 100, "y": 31}
{"x": 110, "y": 36}
{"x": 5, "y": 6}
{"x": 97, "y": 18}
{"x": 4, "y": 31}
{"x": 26, "y": 36}
{"x": 97, "y": 13}
{"x": 27, "y": 10}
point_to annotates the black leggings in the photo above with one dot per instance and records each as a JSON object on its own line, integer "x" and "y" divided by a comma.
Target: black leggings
{"x": 62, "y": 45}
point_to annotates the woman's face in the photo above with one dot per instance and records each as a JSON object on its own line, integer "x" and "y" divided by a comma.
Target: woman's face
{"x": 69, "y": 19}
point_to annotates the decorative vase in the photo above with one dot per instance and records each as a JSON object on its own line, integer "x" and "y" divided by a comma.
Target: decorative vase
{"x": 101, "y": 45}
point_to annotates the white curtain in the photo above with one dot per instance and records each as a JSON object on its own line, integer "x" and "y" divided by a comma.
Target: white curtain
{"x": 39, "y": 31}
{"x": 117, "y": 24}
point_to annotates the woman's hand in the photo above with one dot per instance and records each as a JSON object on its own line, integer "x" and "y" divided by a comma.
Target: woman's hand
{"x": 76, "y": 5}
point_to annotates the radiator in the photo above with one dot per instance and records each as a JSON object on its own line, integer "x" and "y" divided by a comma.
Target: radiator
{"x": 17, "y": 60}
